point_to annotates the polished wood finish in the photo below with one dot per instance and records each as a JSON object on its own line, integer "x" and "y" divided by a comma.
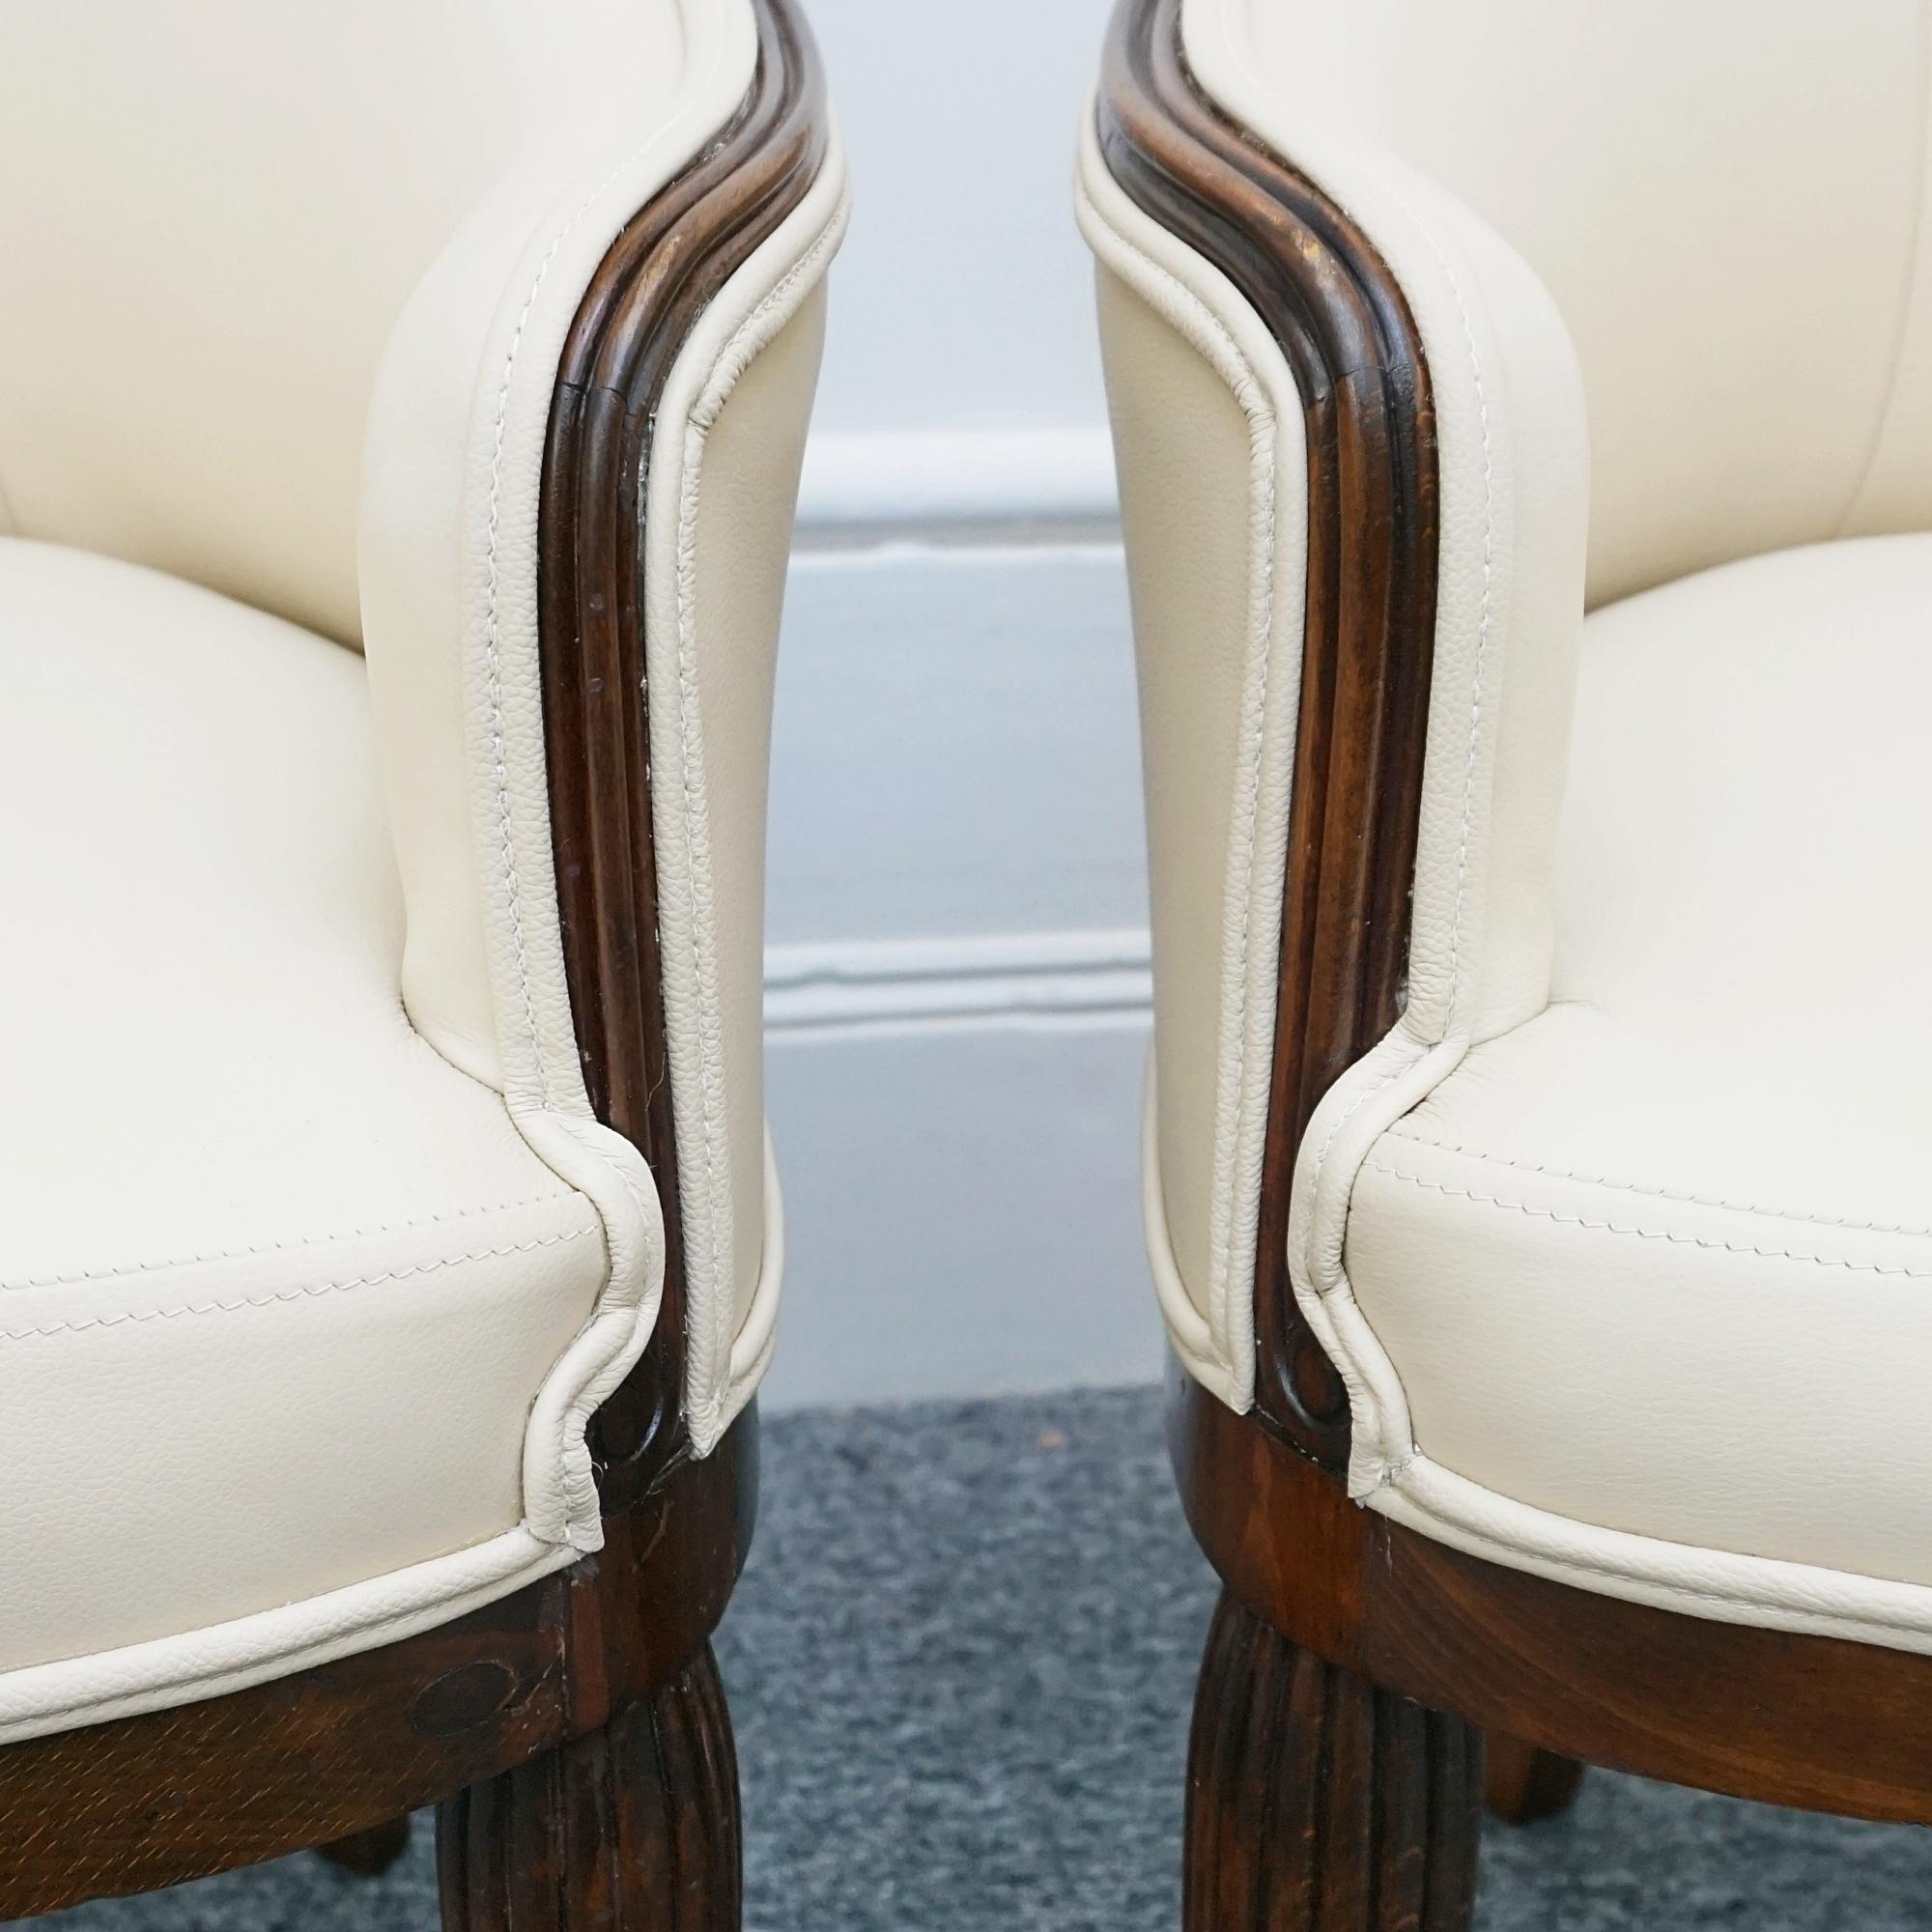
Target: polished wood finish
{"x": 1369, "y": 621}
{"x": 633, "y": 1827}
{"x": 600, "y": 1672}
{"x": 1813, "y": 1721}
{"x": 1562, "y": 1675}
{"x": 1318, "y": 1802}
{"x": 1524, "y": 1785}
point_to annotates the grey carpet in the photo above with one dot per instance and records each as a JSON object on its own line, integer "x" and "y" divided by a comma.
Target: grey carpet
{"x": 961, "y": 1660}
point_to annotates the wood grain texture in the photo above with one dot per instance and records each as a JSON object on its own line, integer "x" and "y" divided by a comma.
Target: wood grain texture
{"x": 1813, "y": 1721}
{"x": 1318, "y": 1802}
{"x": 1524, "y": 1785}
{"x": 1368, "y": 627}
{"x": 633, "y": 1828}
{"x": 342, "y": 1750}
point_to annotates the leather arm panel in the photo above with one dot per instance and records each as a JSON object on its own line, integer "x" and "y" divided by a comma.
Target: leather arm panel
{"x": 1443, "y": 591}
{"x": 1208, "y": 429}
{"x": 723, "y": 480}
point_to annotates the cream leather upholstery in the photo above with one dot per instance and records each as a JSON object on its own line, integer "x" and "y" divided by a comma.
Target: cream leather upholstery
{"x": 322, "y": 1261}
{"x": 279, "y": 1281}
{"x": 1662, "y": 212}
{"x": 246, "y": 197}
{"x": 454, "y": 459}
{"x": 1656, "y": 1259}
{"x": 1656, "y": 1001}
{"x": 1510, "y": 420}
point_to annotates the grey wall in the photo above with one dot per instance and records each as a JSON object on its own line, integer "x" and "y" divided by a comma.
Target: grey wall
{"x": 956, "y": 974}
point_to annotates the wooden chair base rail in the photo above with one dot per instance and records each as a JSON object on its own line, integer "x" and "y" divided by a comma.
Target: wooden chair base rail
{"x": 1816, "y": 1722}
{"x": 345, "y": 1749}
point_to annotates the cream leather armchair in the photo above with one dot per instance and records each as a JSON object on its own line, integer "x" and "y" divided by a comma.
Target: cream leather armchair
{"x": 401, "y": 422}
{"x": 1535, "y": 1184}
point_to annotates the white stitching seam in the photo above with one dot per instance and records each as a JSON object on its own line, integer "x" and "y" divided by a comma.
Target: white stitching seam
{"x": 493, "y": 658}
{"x": 1482, "y": 627}
{"x": 1485, "y": 617}
{"x": 1671, "y": 1194}
{"x": 492, "y": 655}
{"x": 128, "y": 1268}
{"x": 1255, "y": 727}
{"x": 1348, "y": 1114}
{"x": 292, "y": 1295}
{"x": 1650, "y": 1233}
{"x": 492, "y": 647}
{"x": 691, "y": 753}
{"x": 1590, "y": 1566}
{"x": 1398, "y": 1464}
{"x": 1489, "y": 567}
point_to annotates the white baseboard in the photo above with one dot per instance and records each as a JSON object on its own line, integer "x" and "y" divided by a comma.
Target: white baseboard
{"x": 952, "y": 481}
{"x": 1007, "y": 980}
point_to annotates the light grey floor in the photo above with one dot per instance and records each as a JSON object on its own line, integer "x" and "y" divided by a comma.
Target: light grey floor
{"x": 961, "y": 1661}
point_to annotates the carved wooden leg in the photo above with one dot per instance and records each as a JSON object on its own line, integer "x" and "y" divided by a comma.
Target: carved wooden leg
{"x": 369, "y": 1853}
{"x": 633, "y": 1828}
{"x": 1318, "y": 1802}
{"x": 1526, "y": 1785}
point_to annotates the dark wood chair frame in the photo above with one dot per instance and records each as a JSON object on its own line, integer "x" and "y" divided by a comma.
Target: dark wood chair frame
{"x": 1353, "y": 1668}
{"x": 574, "y": 1735}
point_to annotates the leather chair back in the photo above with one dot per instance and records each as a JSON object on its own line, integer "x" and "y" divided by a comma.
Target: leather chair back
{"x": 1728, "y": 202}
{"x": 211, "y": 213}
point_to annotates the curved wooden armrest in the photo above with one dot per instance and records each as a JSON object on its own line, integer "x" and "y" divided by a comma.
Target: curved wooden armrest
{"x": 654, "y": 282}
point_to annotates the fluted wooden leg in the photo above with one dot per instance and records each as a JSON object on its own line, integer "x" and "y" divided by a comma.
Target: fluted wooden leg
{"x": 1526, "y": 1785}
{"x": 1318, "y": 1802}
{"x": 632, "y": 1828}
{"x": 369, "y": 1853}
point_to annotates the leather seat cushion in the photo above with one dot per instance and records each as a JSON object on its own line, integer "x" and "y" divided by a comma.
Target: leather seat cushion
{"x": 277, "y": 1283}
{"x": 1661, "y": 1260}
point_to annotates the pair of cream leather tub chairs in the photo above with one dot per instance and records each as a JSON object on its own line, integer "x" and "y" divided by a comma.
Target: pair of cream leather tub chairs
{"x": 402, "y": 417}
